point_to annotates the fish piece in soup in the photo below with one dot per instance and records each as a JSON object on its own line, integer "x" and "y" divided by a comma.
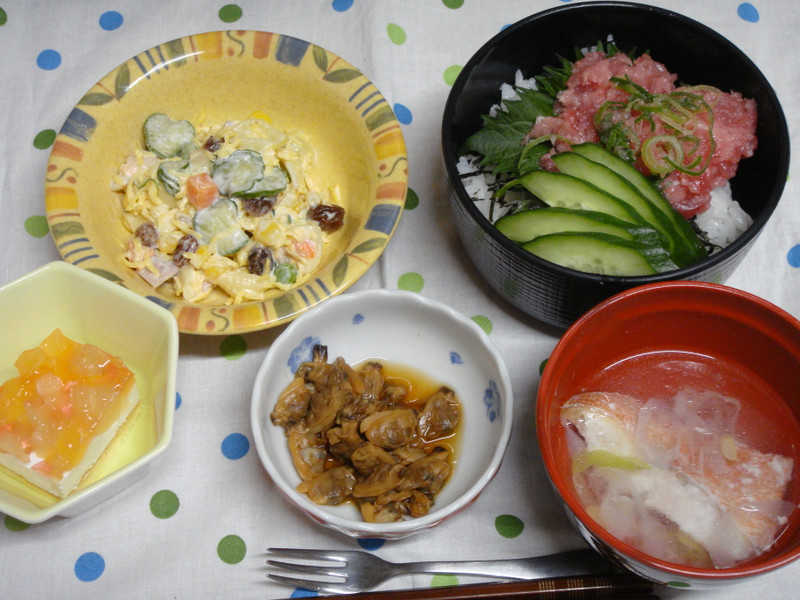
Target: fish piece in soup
{"x": 673, "y": 478}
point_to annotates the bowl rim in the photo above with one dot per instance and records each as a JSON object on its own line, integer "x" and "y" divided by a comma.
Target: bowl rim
{"x": 692, "y": 271}
{"x": 84, "y": 496}
{"x": 747, "y": 568}
{"x": 348, "y": 84}
{"x": 356, "y": 527}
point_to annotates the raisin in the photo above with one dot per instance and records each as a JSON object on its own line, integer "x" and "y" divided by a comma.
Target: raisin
{"x": 213, "y": 144}
{"x": 187, "y": 243}
{"x": 258, "y": 207}
{"x": 329, "y": 216}
{"x": 147, "y": 234}
{"x": 257, "y": 260}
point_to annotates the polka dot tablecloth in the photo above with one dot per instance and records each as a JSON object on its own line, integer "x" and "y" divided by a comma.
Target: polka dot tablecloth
{"x": 198, "y": 525}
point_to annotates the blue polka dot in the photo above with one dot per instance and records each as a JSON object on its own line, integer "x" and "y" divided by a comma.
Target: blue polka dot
{"x": 403, "y": 114}
{"x": 455, "y": 358}
{"x": 748, "y": 12}
{"x": 48, "y": 60}
{"x": 793, "y": 256}
{"x": 89, "y": 566}
{"x": 111, "y": 20}
{"x": 235, "y": 446}
{"x": 341, "y": 5}
{"x": 371, "y": 543}
{"x": 178, "y": 400}
{"x": 358, "y": 318}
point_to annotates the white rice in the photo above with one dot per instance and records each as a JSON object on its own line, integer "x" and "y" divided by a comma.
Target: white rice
{"x": 724, "y": 220}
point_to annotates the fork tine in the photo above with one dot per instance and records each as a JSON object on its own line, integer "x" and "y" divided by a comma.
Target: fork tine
{"x": 314, "y": 586}
{"x": 330, "y": 571}
{"x": 309, "y": 554}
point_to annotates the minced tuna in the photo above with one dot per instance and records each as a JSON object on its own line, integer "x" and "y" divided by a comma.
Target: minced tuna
{"x": 590, "y": 86}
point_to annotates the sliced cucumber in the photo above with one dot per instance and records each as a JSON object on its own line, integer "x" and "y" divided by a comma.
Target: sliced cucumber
{"x": 217, "y": 225}
{"x": 645, "y": 187}
{"x": 167, "y": 138}
{"x": 600, "y": 253}
{"x": 167, "y": 174}
{"x": 613, "y": 183}
{"x": 525, "y": 225}
{"x": 271, "y": 185}
{"x": 566, "y": 191}
{"x": 238, "y": 172}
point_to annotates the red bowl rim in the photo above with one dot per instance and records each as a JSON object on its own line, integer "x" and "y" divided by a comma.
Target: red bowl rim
{"x": 748, "y": 568}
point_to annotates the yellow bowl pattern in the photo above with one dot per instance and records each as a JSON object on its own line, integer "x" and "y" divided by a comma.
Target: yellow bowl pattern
{"x": 220, "y": 76}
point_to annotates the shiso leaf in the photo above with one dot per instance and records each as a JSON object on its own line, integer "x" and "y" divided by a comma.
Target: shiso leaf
{"x": 500, "y": 140}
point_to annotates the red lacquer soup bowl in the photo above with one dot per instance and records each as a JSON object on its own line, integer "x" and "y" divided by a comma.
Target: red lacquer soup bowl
{"x": 653, "y": 342}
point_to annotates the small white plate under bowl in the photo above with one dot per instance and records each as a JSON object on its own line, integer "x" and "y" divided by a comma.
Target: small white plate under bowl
{"x": 402, "y": 328}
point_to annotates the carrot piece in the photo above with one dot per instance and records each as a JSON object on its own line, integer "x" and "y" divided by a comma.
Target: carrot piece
{"x": 201, "y": 191}
{"x": 306, "y": 248}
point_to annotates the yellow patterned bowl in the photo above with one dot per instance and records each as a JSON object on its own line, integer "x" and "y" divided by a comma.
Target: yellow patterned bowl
{"x": 229, "y": 75}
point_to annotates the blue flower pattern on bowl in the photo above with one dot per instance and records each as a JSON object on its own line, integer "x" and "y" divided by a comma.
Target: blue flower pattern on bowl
{"x": 492, "y": 400}
{"x": 304, "y": 352}
{"x": 455, "y": 358}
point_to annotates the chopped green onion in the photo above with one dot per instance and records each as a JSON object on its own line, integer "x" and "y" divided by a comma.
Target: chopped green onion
{"x": 679, "y": 112}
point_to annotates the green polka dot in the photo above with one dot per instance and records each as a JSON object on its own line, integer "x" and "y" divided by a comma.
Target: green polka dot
{"x": 444, "y": 581}
{"x": 230, "y": 13}
{"x": 11, "y": 523}
{"x": 233, "y": 347}
{"x": 453, "y": 3}
{"x": 412, "y": 282}
{"x": 483, "y": 322}
{"x": 44, "y": 139}
{"x": 37, "y": 226}
{"x": 396, "y": 34}
{"x": 231, "y": 549}
{"x": 451, "y": 74}
{"x": 3, "y": 17}
{"x": 542, "y": 365}
{"x": 412, "y": 200}
{"x": 508, "y": 526}
{"x": 164, "y": 504}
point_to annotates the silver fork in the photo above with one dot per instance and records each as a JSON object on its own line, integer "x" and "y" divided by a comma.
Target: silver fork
{"x": 349, "y": 571}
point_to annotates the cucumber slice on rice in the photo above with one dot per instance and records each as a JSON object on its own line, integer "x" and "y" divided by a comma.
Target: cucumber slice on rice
{"x": 525, "y": 225}
{"x": 600, "y": 253}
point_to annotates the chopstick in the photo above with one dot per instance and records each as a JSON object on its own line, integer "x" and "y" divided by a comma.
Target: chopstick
{"x": 612, "y": 586}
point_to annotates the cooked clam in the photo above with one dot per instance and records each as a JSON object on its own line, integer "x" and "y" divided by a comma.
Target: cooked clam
{"x": 356, "y": 435}
{"x": 292, "y": 404}
{"x": 427, "y": 474}
{"x": 334, "y": 486}
{"x": 390, "y": 428}
{"x": 309, "y": 460}
{"x": 440, "y": 416}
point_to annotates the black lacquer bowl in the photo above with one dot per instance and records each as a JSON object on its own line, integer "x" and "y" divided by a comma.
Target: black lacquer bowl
{"x": 558, "y": 295}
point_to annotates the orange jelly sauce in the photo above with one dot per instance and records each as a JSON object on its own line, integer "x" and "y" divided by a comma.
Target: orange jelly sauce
{"x": 65, "y": 395}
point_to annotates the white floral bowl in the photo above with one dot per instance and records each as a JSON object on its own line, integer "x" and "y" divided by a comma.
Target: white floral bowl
{"x": 406, "y": 329}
